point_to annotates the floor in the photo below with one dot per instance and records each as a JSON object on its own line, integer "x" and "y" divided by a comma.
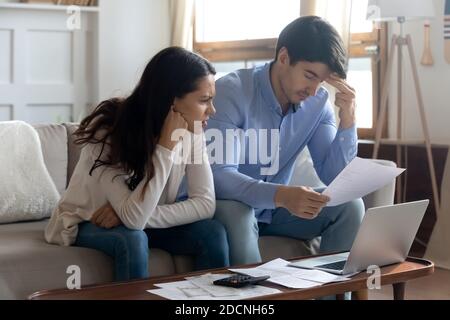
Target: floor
{"x": 434, "y": 287}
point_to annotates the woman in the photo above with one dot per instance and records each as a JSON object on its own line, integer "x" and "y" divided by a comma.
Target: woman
{"x": 122, "y": 196}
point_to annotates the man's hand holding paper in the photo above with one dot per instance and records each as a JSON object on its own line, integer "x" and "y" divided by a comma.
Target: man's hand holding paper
{"x": 302, "y": 202}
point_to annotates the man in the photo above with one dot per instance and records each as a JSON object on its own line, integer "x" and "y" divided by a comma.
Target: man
{"x": 286, "y": 95}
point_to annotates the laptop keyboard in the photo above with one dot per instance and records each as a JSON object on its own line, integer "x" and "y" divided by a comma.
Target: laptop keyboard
{"x": 339, "y": 265}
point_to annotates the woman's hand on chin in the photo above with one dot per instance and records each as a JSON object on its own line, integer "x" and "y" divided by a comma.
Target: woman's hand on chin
{"x": 169, "y": 137}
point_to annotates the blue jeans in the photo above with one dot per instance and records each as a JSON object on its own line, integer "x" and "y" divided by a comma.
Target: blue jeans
{"x": 336, "y": 225}
{"x": 128, "y": 248}
{"x": 205, "y": 239}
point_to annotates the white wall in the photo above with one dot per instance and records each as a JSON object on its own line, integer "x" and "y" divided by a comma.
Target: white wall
{"x": 47, "y": 73}
{"x": 131, "y": 32}
{"x": 434, "y": 80}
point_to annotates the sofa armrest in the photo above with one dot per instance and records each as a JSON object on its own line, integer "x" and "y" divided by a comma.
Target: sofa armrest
{"x": 383, "y": 196}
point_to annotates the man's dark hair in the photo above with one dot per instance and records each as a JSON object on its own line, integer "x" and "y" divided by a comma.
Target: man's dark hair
{"x": 312, "y": 39}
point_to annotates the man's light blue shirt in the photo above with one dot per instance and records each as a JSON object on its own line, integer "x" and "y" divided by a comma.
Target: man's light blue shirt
{"x": 245, "y": 100}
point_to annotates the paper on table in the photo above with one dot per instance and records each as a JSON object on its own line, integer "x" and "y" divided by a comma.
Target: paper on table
{"x": 319, "y": 276}
{"x": 205, "y": 282}
{"x": 201, "y": 288}
{"x": 175, "y": 294}
{"x": 274, "y": 268}
{"x": 280, "y": 273}
{"x": 180, "y": 290}
{"x": 294, "y": 283}
{"x": 359, "y": 178}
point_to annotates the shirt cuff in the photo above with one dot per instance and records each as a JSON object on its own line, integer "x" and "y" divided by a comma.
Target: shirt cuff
{"x": 165, "y": 153}
{"x": 265, "y": 197}
{"x": 348, "y": 141}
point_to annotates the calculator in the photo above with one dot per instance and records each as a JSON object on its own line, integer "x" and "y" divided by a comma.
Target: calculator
{"x": 239, "y": 281}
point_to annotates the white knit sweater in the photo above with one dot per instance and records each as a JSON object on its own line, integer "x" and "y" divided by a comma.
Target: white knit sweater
{"x": 85, "y": 194}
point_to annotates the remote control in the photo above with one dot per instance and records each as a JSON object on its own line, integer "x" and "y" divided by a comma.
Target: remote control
{"x": 239, "y": 281}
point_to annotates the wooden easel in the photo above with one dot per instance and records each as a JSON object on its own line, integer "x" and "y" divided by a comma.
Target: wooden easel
{"x": 397, "y": 43}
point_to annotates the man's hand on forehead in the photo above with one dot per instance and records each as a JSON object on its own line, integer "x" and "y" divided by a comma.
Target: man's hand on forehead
{"x": 345, "y": 100}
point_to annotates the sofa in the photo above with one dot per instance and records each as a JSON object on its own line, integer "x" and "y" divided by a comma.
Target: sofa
{"x": 29, "y": 264}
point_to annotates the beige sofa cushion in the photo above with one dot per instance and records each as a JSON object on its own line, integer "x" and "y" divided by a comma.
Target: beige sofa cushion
{"x": 54, "y": 148}
{"x": 28, "y": 264}
{"x": 73, "y": 149}
{"x": 286, "y": 248}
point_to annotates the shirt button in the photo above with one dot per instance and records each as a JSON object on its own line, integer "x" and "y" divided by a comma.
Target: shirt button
{"x": 342, "y": 139}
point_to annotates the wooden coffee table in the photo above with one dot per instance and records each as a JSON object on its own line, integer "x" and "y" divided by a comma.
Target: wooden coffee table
{"x": 396, "y": 275}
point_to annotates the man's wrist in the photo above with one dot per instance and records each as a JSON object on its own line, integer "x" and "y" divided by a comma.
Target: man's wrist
{"x": 347, "y": 123}
{"x": 347, "y": 117}
{"x": 279, "y": 197}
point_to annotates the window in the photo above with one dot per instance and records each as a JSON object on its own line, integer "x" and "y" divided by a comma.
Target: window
{"x": 218, "y": 20}
{"x": 360, "y": 77}
{"x": 366, "y": 67}
{"x": 231, "y": 31}
{"x": 236, "y": 34}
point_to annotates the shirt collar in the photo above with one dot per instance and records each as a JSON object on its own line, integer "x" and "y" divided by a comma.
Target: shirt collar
{"x": 263, "y": 75}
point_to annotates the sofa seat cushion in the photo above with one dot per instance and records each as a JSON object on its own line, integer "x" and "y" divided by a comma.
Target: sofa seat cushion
{"x": 29, "y": 264}
{"x": 286, "y": 248}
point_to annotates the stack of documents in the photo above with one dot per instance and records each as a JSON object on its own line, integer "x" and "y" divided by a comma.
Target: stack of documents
{"x": 202, "y": 288}
{"x": 284, "y": 275}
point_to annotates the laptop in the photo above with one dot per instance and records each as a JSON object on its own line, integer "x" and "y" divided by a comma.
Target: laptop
{"x": 385, "y": 237}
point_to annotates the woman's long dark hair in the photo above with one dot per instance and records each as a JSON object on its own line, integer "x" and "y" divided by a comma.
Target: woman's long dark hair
{"x": 131, "y": 126}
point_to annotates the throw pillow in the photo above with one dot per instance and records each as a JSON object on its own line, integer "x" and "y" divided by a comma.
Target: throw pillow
{"x": 27, "y": 191}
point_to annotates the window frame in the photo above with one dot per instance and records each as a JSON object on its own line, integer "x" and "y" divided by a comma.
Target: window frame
{"x": 359, "y": 44}
{"x": 262, "y": 49}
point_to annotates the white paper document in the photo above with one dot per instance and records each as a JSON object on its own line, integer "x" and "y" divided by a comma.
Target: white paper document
{"x": 205, "y": 282}
{"x": 202, "y": 288}
{"x": 294, "y": 283}
{"x": 359, "y": 178}
{"x": 281, "y": 273}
